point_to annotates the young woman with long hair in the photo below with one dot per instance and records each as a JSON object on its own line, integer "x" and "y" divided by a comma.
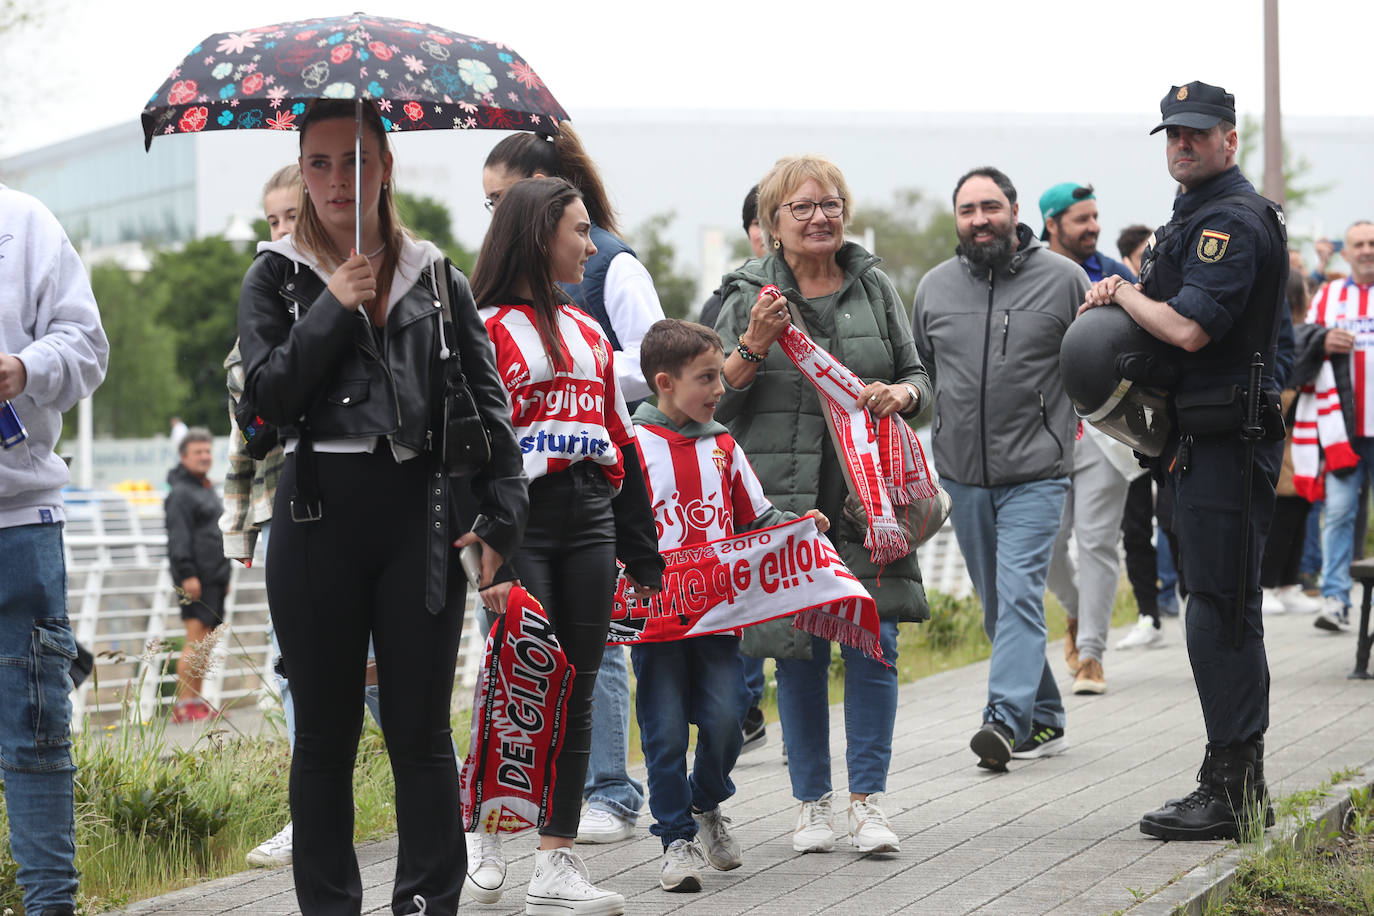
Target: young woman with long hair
{"x": 342, "y": 351}
{"x": 588, "y": 501}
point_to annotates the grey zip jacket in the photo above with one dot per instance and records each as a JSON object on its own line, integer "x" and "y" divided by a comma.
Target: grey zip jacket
{"x": 991, "y": 344}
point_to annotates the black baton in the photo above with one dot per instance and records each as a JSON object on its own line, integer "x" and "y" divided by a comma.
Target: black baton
{"x": 1251, "y": 433}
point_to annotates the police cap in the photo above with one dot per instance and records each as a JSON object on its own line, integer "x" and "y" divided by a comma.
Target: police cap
{"x": 1196, "y": 105}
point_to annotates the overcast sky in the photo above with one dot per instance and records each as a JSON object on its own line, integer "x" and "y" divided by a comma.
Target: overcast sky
{"x": 92, "y": 63}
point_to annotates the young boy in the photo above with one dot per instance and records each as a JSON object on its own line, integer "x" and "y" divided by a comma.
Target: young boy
{"x": 702, "y": 488}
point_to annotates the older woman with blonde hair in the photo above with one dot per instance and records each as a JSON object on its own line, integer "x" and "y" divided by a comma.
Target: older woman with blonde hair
{"x": 851, "y": 308}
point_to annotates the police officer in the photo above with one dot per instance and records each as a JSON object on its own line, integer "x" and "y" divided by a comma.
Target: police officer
{"x": 1212, "y": 286}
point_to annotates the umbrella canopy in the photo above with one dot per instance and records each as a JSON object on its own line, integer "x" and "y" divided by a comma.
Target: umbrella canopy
{"x": 419, "y": 76}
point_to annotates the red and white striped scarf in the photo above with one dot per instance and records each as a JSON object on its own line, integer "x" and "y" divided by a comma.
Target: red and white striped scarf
{"x": 1320, "y": 436}
{"x": 882, "y": 458}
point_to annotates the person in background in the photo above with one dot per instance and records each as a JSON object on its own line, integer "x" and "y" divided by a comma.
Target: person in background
{"x": 588, "y": 503}
{"x": 1279, "y": 568}
{"x": 1131, "y": 244}
{"x": 200, "y": 570}
{"x": 339, "y": 352}
{"x": 53, "y": 352}
{"x": 1102, "y": 470}
{"x": 851, "y": 308}
{"x": 618, "y": 292}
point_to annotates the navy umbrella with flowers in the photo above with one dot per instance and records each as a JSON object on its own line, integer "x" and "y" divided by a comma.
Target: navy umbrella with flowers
{"x": 419, "y": 76}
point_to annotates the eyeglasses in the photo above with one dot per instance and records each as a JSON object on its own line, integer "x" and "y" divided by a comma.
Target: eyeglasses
{"x": 802, "y": 209}
{"x": 491, "y": 202}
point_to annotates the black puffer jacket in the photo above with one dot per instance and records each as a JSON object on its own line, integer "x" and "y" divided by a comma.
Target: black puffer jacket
{"x": 195, "y": 546}
{"x": 328, "y": 369}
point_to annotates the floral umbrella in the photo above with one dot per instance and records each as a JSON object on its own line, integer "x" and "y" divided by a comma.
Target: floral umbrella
{"x": 419, "y": 76}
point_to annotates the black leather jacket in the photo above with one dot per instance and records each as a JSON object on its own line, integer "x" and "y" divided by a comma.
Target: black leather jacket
{"x": 328, "y": 368}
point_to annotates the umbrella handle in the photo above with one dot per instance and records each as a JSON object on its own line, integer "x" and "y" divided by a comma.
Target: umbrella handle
{"x": 358, "y": 174}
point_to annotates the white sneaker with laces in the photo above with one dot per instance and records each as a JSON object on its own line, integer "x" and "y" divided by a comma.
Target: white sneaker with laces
{"x": 682, "y": 864}
{"x": 1295, "y": 601}
{"x": 599, "y": 826}
{"x": 717, "y": 845}
{"x": 1143, "y": 635}
{"x": 868, "y": 827}
{"x": 273, "y": 853}
{"x": 560, "y": 886}
{"x": 486, "y": 867}
{"x": 1334, "y": 615}
{"x": 1271, "y": 603}
{"x": 814, "y": 832}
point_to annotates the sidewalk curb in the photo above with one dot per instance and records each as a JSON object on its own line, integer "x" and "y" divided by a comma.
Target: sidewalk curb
{"x": 1210, "y": 883}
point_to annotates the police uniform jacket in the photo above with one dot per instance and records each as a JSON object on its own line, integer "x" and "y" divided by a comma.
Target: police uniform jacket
{"x": 1215, "y": 262}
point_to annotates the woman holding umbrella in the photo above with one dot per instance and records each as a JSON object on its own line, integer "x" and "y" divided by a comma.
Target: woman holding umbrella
{"x": 340, "y": 350}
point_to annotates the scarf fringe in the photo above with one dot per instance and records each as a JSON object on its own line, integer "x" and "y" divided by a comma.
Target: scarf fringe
{"x": 885, "y": 540}
{"x": 831, "y": 626}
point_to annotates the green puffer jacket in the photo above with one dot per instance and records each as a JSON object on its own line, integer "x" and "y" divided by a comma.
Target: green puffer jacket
{"x": 777, "y": 419}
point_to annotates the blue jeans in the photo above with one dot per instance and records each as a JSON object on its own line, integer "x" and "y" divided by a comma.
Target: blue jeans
{"x": 36, "y": 652}
{"x": 609, "y": 785}
{"x": 753, "y": 681}
{"x": 1312, "y": 544}
{"x": 870, "y": 711}
{"x": 1338, "y": 535}
{"x": 1168, "y": 575}
{"x": 679, "y": 684}
{"x": 1007, "y": 535}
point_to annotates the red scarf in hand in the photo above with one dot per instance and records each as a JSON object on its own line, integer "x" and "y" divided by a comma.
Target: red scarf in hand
{"x": 517, "y": 722}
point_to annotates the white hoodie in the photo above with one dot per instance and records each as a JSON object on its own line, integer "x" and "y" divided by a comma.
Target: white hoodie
{"x": 49, "y": 319}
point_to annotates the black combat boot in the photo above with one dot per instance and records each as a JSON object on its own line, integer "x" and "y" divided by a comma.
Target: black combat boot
{"x": 1226, "y": 797}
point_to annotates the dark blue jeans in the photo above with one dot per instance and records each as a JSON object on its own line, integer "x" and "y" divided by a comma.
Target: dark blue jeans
{"x": 686, "y": 682}
{"x": 36, "y": 652}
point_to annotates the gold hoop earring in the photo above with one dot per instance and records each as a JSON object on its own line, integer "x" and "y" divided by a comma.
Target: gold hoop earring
{"x": 776, "y": 244}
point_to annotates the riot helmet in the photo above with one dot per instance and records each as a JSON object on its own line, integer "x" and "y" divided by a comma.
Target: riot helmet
{"x": 1118, "y": 377}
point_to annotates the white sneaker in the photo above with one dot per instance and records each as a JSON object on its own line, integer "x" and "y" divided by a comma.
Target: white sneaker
{"x": 717, "y": 845}
{"x": 1295, "y": 601}
{"x": 868, "y": 827}
{"x": 1334, "y": 615}
{"x": 486, "y": 867}
{"x": 1143, "y": 635}
{"x": 560, "y": 886}
{"x": 814, "y": 833}
{"x": 598, "y": 826}
{"x": 682, "y": 864}
{"x": 273, "y": 853}
{"x": 1271, "y": 603}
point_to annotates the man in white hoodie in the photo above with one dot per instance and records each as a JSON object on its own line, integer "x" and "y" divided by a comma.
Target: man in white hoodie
{"x": 53, "y": 352}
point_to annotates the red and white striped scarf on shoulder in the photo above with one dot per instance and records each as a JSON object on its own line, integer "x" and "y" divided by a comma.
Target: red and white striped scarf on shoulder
{"x": 882, "y": 457}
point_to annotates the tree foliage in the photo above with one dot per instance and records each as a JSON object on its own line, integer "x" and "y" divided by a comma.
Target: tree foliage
{"x": 194, "y": 292}
{"x": 676, "y": 291}
{"x": 1297, "y": 191}
{"x": 911, "y": 235}
{"x": 430, "y": 219}
{"x": 142, "y": 387}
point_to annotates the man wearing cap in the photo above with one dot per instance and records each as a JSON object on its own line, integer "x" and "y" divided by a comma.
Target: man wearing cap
{"x": 1212, "y": 286}
{"x": 1102, "y": 469}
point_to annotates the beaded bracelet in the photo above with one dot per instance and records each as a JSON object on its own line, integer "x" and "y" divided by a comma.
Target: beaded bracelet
{"x": 748, "y": 354}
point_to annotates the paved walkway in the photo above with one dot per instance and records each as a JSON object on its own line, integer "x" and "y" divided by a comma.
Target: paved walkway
{"x": 1057, "y": 835}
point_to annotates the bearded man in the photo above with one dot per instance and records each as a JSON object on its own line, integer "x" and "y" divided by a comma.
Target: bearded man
{"x": 988, "y": 324}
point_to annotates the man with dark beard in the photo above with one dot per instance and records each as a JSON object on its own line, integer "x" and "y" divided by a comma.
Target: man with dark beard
{"x": 988, "y": 324}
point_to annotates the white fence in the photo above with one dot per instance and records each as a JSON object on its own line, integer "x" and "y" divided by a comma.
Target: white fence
{"x": 123, "y": 607}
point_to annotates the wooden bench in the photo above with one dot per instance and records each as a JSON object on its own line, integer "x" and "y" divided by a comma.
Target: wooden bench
{"x": 1362, "y": 571}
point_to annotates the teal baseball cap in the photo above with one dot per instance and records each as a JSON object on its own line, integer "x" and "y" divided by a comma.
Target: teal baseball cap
{"x": 1060, "y": 198}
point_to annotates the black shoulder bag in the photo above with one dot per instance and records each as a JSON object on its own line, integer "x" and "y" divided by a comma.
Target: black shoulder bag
{"x": 464, "y": 445}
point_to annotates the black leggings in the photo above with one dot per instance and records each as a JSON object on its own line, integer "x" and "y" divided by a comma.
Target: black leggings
{"x": 360, "y": 571}
{"x": 1138, "y": 537}
{"x": 567, "y": 562}
{"x": 1283, "y": 548}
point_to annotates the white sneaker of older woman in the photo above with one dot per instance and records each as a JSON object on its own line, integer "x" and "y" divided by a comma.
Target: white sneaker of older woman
{"x": 1295, "y": 602}
{"x": 486, "y": 867}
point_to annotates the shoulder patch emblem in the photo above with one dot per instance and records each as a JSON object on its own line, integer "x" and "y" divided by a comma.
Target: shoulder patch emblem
{"x": 1211, "y": 245}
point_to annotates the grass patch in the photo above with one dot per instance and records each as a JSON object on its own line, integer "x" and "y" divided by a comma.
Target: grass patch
{"x": 1322, "y": 875}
